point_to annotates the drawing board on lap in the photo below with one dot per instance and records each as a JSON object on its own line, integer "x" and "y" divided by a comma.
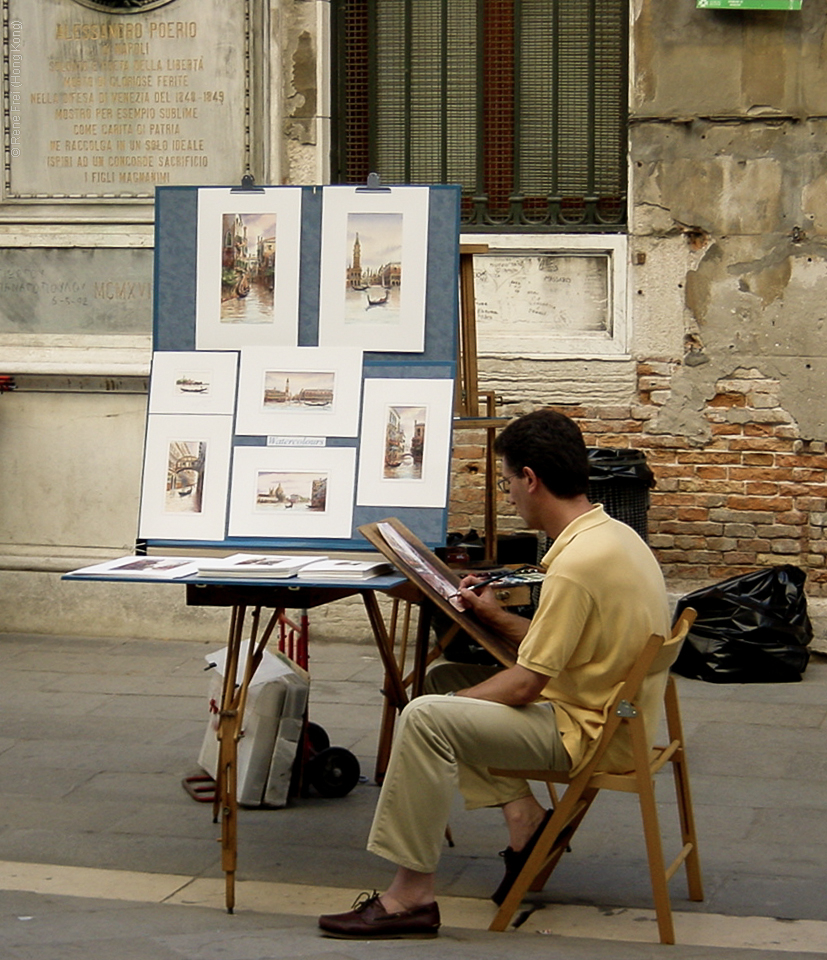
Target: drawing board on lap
{"x": 434, "y": 578}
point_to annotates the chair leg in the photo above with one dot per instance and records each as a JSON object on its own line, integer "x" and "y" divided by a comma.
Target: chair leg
{"x": 657, "y": 870}
{"x": 680, "y": 773}
{"x": 654, "y": 843}
{"x": 558, "y": 850}
{"x": 529, "y": 872}
{"x": 570, "y": 810}
{"x": 692, "y": 863}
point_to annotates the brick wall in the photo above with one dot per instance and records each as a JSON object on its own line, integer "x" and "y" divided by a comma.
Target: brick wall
{"x": 751, "y": 494}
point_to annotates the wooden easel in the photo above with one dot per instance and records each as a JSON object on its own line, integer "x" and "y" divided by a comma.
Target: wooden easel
{"x": 468, "y": 397}
{"x": 467, "y": 416}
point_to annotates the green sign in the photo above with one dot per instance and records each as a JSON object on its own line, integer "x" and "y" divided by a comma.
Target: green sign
{"x": 750, "y": 4}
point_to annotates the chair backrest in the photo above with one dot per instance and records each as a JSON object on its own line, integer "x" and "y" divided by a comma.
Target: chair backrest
{"x": 672, "y": 647}
{"x": 656, "y": 657}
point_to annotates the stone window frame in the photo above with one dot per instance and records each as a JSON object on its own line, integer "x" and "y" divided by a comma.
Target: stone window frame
{"x": 538, "y": 346}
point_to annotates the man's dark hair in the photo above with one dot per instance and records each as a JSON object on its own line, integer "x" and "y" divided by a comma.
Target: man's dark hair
{"x": 552, "y": 445}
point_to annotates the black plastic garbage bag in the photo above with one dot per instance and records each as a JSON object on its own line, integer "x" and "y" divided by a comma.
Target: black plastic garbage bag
{"x": 750, "y": 629}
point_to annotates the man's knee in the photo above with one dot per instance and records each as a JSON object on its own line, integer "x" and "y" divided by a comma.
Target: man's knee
{"x": 420, "y": 719}
{"x": 443, "y": 678}
{"x": 449, "y": 677}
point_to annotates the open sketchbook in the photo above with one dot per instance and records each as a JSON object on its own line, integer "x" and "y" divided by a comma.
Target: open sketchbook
{"x": 436, "y": 580}
{"x": 141, "y": 568}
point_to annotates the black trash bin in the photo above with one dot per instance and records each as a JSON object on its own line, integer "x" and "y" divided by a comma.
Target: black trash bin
{"x": 621, "y": 480}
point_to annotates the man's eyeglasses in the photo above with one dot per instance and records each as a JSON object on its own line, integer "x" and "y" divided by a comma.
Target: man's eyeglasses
{"x": 504, "y": 483}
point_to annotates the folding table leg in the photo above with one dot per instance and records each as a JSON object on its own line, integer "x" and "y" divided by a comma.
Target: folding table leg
{"x": 230, "y": 727}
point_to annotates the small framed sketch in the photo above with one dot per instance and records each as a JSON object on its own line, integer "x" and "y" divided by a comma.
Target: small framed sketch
{"x": 193, "y": 382}
{"x": 186, "y": 476}
{"x": 248, "y": 268}
{"x": 406, "y": 443}
{"x": 292, "y": 492}
{"x": 303, "y": 391}
{"x": 373, "y": 268}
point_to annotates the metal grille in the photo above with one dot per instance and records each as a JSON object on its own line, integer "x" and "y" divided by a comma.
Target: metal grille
{"x": 522, "y": 102}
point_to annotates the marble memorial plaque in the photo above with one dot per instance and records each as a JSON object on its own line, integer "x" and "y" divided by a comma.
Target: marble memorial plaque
{"x": 76, "y": 290}
{"x": 110, "y": 98}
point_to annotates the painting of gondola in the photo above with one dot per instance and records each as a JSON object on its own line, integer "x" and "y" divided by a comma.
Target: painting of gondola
{"x": 188, "y": 381}
{"x": 373, "y": 268}
{"x": 185, "y": 476}
{"x": 289, "y": 390}
{"x": 247, "y": 287}
{"x": 373, "y": 274}
{"x": 248, "y": 260}
{"x": 193, "y": 382}
{"x": 404, "y": 442}
{"x": 291, "y": 490}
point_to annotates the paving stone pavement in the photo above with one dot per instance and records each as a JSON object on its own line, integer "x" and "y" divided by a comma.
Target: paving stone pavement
{"x": 103, "y": 854}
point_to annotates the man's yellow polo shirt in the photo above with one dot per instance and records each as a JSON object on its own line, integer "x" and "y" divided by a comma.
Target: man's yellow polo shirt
{"x": 601, "y": 600}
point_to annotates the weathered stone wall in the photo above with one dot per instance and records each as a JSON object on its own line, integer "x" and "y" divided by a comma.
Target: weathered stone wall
{"x": 728, "y": 166}
{"x": 721, "y": 386}
{"x": 728, "y": 286}
{"x": 754, "y": 494}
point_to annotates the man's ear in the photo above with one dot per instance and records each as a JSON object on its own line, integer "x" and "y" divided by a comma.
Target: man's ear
{"x": 532, "y": 478}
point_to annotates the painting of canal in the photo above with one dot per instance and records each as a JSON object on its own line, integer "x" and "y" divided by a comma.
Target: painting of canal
{"x": 373, "y": 273}
{"x": 404, "y": 442}
{"x": 248, "y": 267}
{"x": 288, "y": 390}
{"x": 185, "y": 476}
{"x": 296, "y": 491}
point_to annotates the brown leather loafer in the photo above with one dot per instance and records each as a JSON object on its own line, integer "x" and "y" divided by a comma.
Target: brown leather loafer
{"x": 369, "y": 920}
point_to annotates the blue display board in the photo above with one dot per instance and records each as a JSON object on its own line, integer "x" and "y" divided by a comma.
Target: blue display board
{"x": 180, "y": 274}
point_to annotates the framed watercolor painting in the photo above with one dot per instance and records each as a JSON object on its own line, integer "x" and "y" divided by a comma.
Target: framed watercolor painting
{"x": 247, "y": 282}
{"x": 303, "y": 391}
{"x": 186, "y": 477}
{"x": 293, "y": 492}
{"x": 373, "y": 268}
{"x": 191, "y": 381}
{"x": 405, "y": 443}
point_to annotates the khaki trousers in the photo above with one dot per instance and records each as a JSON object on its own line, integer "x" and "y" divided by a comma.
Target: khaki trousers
{"x": 442, "y": 741}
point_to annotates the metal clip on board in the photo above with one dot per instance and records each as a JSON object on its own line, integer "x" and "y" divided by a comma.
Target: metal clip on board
{"x": 373, "y": 185}
{"x": 248, "y": 185}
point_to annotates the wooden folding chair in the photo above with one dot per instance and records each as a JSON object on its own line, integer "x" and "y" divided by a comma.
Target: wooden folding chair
{"x": 583, "y": 787}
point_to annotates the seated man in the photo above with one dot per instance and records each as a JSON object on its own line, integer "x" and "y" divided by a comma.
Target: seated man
{"x": 602, "y": 598}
